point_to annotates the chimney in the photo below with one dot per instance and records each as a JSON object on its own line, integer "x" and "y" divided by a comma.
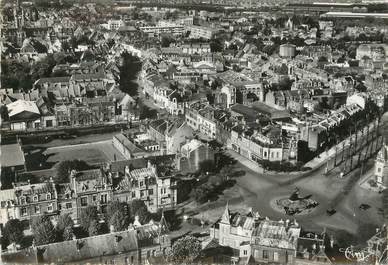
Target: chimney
{"x": 73, "y": 174}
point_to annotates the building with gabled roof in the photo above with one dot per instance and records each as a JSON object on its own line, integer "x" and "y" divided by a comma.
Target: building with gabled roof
{"x": 136, "y": 245}
{"x": 258, "y": 240}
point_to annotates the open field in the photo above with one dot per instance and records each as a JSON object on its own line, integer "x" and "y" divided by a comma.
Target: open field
{"x": 39, "y": 158}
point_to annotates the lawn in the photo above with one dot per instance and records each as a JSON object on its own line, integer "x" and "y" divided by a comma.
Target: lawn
{"x": 39, "y": 158}
{"x": 89, "y": 155}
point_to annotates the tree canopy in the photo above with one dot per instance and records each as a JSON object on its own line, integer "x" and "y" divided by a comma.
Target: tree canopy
{"x": 13, "y": 231}
{"x": 64, "y": 227}
{"x": 128, "y": 74}
{"x": 43, "y": 230}
{"x": 185, "y": 249}
{"x": 88, "y": 220}
{"x": 63, "y": 168}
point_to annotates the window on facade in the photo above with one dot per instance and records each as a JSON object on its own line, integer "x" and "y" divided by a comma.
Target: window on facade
{"x": 35, "y": 198}
{"x": 37, "y": 209}
{"x": 245, "y": 252}
{"x": 265, "y": 254}
{"x": 276, "y": 256}
{"x": 23, "y": 211}
{"x": 68, "y": 205}
{"x": 94, "y": 198}
{"x": 290, "y": 258}
{"x": 150, "y": 192}
{"x": 133, "y": 194}
{"x": 48, "y": 196}
{"x": 49, "y": 123}
{"x": 50, "y": 207}
{"x": 104, "y": 198}
{"x": 141, "y": 183}
{"x": 84, "y": 201}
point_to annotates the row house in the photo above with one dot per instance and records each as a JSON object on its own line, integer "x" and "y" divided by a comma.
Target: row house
{"x": 196, "y": 48}
{"x": 198, "y": 32}
{"x": 146, "y": 184}
{"x": 200, "y": 117}
{"x": 258, "y": 146}
{"x": 286, "y": 99}
{"x": 171, "y": 100}
{"x": 256, "y": 239}
{"x": 79, "y": 68}
{"x": 156, "y": 31}
{"x": 170, "y": 134}
{"x": 139, "y": 244}
{"x": 24, "y": 202}
{"x": 86, "y": 188}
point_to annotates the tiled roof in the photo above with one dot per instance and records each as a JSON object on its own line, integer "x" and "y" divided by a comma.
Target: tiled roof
{"x": 90, "y": 247}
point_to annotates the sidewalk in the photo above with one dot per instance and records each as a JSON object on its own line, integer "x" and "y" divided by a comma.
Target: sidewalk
{"x": 324, "y": 156}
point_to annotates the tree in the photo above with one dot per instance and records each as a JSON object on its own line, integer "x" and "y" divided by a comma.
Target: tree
{"x": 206, "y": 166}
{"x": 94, "y": 228}
{"x": 136, "y": 205}
{"x": 216, "y": 45}
{"x": 144, "y": 215}
{"x": 13, "y": 231}
{"x": 62, "y": 170}
{"x": 119, "y": 220}
{"x": 64, "y": 227}
{"x": 166, "y": 41}
{"x": 15, "y": 75}
{"x": 285, "y": 83}
{"x": 87, "y": 217}
{"x": 185, "y": 249}
{"x": 115, "y": 206}
{"x": 43, "y": 230}
{"x": 68, "y": 234}
{"x": 146, "y": 112}
{"x": 128, "y": 74}
{"x": 64, "y": 221}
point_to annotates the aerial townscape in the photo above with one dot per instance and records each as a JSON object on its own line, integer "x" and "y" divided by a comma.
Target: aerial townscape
{"x": 194, "y": 132}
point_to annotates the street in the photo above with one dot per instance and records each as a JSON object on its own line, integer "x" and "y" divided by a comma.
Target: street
{"x": 258, "y": 190}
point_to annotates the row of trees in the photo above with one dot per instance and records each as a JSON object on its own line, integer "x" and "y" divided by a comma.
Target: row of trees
{"x": 118, "y": 215}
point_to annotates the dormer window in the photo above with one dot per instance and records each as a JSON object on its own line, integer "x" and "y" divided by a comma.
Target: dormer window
{"x": 22, "y": 200}
{"x": 48, "y": 196}
{"x": 35, "y": 198}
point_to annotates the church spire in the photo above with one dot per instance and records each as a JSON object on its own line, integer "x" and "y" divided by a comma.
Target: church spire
{"x": 226, "y": 215}
{"x": 163, "y": 226}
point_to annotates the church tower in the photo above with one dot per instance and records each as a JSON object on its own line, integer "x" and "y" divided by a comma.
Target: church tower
{"x": 381, "y": 166}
